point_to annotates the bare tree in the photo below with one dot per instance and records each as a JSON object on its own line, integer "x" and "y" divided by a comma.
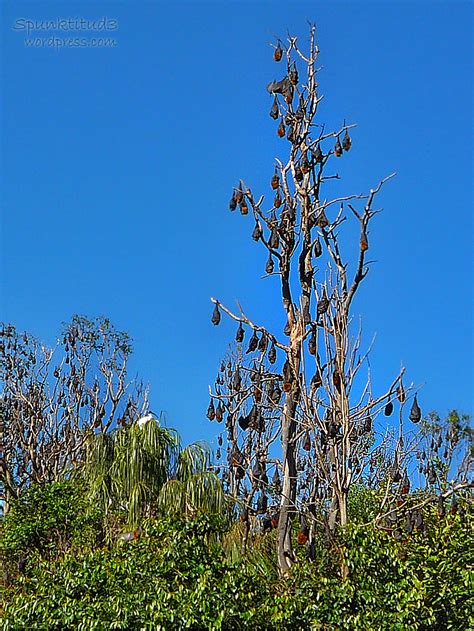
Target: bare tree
{"x": 305, "y": 391}
{"x": 51, "y": 399}
{"x": 435, "y": 470}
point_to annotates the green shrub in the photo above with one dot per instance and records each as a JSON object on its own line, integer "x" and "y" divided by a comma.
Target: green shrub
{"x": 176, "y": 575}
{"x": 47, "y": 521}
{"x": 172, "y": 577}
{"x": 421, "y": 582}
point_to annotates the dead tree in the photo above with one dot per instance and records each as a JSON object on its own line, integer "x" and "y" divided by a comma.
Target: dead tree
{"x": 303, "y": 389}
{"x": 50, "y": 400}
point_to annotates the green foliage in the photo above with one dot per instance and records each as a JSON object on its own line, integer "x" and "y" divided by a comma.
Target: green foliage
{"x": 420, "y": 583}
{"x": 173, "y": 577}
{"x": 193, "y": 487}
{"x": 50, "y": 519}
{"x": 362, "y": 504}
{"x": 126, "y": 468}
{"x": 177, "y": 575}
{"x": 46, "y": 522}
{"x": 443, "y": 562}
{"x": 141, "y": 469}
{"x": 186, "y": 568}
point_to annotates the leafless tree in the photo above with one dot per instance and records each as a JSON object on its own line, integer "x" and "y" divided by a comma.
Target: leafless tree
{"x": 50, "y": 399}
{"x": 301, "y": 418}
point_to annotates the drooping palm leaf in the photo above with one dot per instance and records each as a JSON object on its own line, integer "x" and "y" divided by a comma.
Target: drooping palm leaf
{"x": 143, "y": 466}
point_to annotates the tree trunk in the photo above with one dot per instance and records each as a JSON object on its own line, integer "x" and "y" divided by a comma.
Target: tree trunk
{"x": 333, "y": 512}
{"x": 289, "y": 451}
{"x": 342, "y": 501}
{"x": 288, "y": 495}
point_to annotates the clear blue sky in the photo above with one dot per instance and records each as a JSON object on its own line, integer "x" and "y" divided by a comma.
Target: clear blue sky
{"x": 117, "y": 167}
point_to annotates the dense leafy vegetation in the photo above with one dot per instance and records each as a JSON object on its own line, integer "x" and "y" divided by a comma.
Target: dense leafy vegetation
{"x": 48, "y": 521}
{"x": 182, "y": 571}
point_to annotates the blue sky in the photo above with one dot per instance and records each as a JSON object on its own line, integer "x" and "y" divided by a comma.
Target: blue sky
{"x": 118, "y": 164}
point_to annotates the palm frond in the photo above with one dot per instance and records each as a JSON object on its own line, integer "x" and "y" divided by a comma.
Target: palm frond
{"x": 194, "y": 458}
{"x": 136, "y": 468}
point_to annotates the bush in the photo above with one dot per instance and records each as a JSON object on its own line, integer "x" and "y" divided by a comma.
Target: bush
{"x": 176, "y": 575}
{"x": 172, "y": 577}
{"x": 421, "y": 582}
{"x": 47, "y": 521}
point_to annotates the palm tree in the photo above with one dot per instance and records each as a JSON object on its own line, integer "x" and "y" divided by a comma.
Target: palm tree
{"x": 142, "y": 468}
{"x": 194, "y": 487}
